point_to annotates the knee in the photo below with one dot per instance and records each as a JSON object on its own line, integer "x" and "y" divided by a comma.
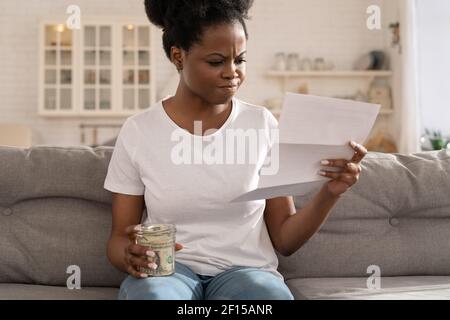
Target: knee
{"x": 153, "y": 288}
{"x": 265, "y": 286}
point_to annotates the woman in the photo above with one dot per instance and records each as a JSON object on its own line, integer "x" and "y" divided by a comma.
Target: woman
{"x": 225, "y": 249}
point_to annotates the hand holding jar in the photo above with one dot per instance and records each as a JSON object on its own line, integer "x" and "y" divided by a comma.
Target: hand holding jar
{"x": 151, "y": 251}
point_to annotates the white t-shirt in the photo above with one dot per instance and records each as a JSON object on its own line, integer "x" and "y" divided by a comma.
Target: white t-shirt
{"x": 150, "y": 158}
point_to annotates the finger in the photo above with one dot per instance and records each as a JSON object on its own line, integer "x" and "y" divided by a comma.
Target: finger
{"x": 349, "y": 179}
{"x": 353, "y": 168}
{"x": 339, "y": 163}
{"x": 360, "y": 151}
{"x": 138, "y": 262}
{"x": 178, "y": 246}
{"x": 345, "y": 177}
{"x": 140, "y": 251}
{"x": 130, "y": 231}
{"x": 135, "y": 273}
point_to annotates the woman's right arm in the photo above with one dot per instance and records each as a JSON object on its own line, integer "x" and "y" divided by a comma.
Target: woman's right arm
{"x": 122, "y": 252}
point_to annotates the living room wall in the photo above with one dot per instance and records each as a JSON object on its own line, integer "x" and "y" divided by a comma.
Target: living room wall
{"x": 335, "y": 30}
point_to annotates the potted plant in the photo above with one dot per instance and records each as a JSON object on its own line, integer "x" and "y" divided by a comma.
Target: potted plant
{"x": 437, "y": 141}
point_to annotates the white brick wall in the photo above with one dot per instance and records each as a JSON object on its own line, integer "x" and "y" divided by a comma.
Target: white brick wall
{"x": 333, "y": 29}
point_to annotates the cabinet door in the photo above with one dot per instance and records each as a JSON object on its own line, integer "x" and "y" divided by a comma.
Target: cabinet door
{"x": 97, "y": 68}
{"x": 58, "y": 62}
{"x": 136, "y": 79}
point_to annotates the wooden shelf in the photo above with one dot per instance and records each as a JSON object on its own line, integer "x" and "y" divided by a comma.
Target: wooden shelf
{"x": 331, "y": 74}
{"x": 277, "y": 113}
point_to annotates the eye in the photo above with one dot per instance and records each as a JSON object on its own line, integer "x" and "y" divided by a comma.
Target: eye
{"x": 215, "y": 63}
{"x": 240, "y": 61}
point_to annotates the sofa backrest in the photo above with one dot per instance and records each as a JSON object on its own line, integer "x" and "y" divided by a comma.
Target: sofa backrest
{"x": 397, "y": 217}
{"x": 54, "y": 213}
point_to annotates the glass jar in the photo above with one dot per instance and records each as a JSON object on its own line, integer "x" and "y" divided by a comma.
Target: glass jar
{"x": 280, "y": 61}
{"x": 293, "y": 62}
{"x": 161, "y": 240}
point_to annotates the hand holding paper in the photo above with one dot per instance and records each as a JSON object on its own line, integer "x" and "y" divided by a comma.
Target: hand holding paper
{"x": 311, "y": 129}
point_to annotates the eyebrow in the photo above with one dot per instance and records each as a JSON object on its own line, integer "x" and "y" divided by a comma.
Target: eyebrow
{"x": 219, "y": 54}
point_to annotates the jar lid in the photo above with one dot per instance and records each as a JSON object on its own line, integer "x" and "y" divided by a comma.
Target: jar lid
{"x": 157, "y": 228}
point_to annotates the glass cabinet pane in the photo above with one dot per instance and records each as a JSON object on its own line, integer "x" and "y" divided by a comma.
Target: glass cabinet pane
{"x": 144, "y": 58}
{"x": 51, "y": 35}
{"x": 89, "y": 76}
{"x": 89, "y": 36}
{"x": 50, "y": 57}
{"x": 143, "y": 35}
{"x": 89, "y": 99}
{"x": 105, "y": 58}
{"x": 128, "y": 35}
{"x": 144, "y": 76}
{"x": 66, "y": 99}
{"x": 144, "y": 98}
{"x": 50, "y": 76}
{"x": 66, "y": 57}
{"x": 128, "y": 58}
{"x": 105, "y": 99}
{"x": 128, "y": 99}
{"x": 105, "y": 77}
{"x": 50, "y": 99}
{"x": 128, "y": 77}
{"x": 66, "y": 36}
{"x": 105, "y": 36}
{"x": 66, "y": 77}
{"x": 89, "y": 58}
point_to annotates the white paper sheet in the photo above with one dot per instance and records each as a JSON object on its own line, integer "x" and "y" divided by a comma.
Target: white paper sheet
{"x": 312, "y": 129}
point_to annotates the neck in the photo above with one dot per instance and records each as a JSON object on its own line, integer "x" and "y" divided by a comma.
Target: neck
{"x": 185, "y": 107}
{"x": 194, "y": 107}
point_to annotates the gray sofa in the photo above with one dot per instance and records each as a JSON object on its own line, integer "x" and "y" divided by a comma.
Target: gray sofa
{"x": 55, "y": 213}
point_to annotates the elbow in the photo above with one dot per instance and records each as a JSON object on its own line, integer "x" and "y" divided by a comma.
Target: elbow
{"x": 284, "y": 252}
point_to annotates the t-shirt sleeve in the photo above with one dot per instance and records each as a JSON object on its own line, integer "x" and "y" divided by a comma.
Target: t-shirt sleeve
{"x": 123, "y": 173}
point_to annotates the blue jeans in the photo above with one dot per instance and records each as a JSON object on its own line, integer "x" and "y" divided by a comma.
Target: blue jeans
{"x": 238, "y": 283}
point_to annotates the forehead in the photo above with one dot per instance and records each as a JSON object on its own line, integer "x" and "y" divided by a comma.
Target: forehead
{"x": 222, "y": 38}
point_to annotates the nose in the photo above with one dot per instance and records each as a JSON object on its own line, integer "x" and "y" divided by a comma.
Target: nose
{"x": 230, "y": 71}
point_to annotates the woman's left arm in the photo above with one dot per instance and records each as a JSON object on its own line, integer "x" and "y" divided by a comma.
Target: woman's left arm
{"x": 288, "y": 229}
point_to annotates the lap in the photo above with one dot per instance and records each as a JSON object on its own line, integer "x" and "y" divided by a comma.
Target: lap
{"x": 246, "y": 283}
{"x": 184, "y": 284}
{"x": 238, "y": 283}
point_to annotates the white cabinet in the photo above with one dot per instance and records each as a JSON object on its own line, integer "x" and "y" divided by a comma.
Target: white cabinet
{"x": 105, "y": 68}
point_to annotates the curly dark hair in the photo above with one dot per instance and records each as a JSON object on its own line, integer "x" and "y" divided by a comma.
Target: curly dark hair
{"x": 183, "y": 21}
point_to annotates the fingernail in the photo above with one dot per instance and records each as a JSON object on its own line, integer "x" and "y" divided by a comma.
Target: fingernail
{"x": 353, "y": 143}
{"x": 325, "y": 162}
{"x": 322, "y": 173}
{"x": 144, "y": 275}
{"x": 137, "y": 228}
{"x": 150, "y": 253}
{"x": 152, "y": 265}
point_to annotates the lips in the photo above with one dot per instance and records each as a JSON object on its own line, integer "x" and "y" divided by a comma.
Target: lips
{"x": 229, "y": 86}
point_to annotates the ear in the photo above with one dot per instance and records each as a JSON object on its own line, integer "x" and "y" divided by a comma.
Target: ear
{"x": 176, "y": 56}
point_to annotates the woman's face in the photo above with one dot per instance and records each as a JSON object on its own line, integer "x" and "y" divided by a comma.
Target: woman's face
{"x": 215, "y": 68}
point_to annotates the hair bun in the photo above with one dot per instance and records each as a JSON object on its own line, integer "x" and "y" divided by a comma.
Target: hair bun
{"x": 162, "y": 13}
{"x": 156, "y": 11}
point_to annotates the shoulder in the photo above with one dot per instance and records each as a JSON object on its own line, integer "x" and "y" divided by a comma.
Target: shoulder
{"x": 257, "y": 112}
{"x": 142, "y": 120}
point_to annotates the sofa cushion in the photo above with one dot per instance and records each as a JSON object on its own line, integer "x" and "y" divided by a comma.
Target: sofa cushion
{"x": 396, "y": 217}
{"x": 54, "y": 213}
{"x": 9, "y": 291}
{"x": 391, "y": 288}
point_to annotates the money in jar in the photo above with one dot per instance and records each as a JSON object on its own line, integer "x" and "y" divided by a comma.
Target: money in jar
{"x": 161, "y": 240}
